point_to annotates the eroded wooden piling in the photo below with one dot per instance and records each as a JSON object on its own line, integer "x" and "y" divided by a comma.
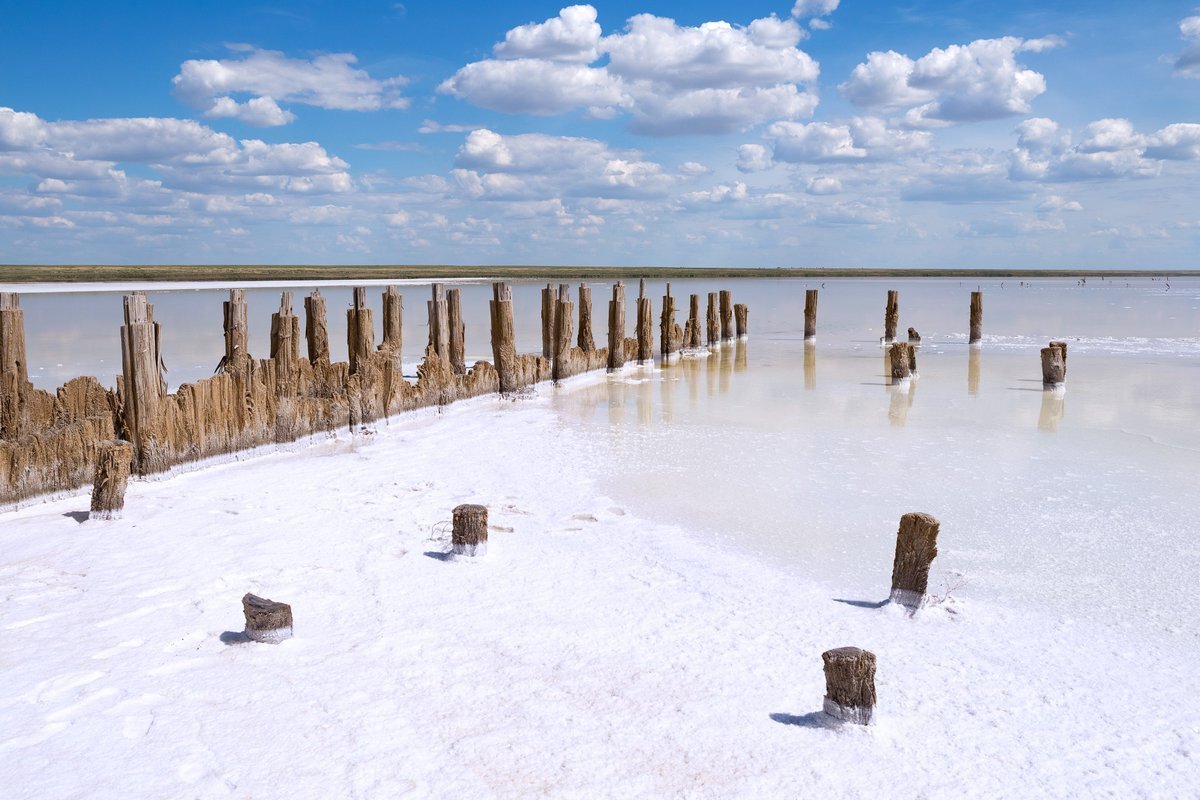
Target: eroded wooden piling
{"x": 726, "y": 315}
{"x": 616, "y": 327}
{"x": 266, "y": 620}
{"x": 899, "y": 358}
{"x": 850, "y": 684}
{"x": 14, "y": 369}
{"x": 457, "y": 332}
{"x": 316, "y": 328}
{"x": 586, "y": 342}
{"x": 285, "y": 346}
{"x": 360, "y": 331}
{"x": 741, "y": 315}
{"x": 810, "y": 314}
{"x": 142, "y": 386}
{"x": 712, "y": 321}
{"x": 504, "y": 348}
{"x": 113, "y": 462}
{"x": 470, "y": 530}
{"x": 563, "y": 323}
{"x": 645, "y": 326}
{"x": 1062, "y": 346}
{"x": 393, "y": 325}
{"x": 672, "y": 334}
{"x": 891, "y": 316}
{"x": 237, "y": 334}
{"x": 976, "y": 335}
{"x": 1053, "y": 368}
{"x": 439, "y": 322}
{"x": 691, "y": 331}
{"x": 916, "y": 547}
{"x": 549, "y": 304}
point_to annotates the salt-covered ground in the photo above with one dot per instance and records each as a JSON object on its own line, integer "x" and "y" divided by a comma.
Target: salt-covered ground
{"x": 592, "y": 653}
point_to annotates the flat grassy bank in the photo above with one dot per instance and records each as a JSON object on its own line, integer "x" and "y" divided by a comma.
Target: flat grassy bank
{"x": 108, "y": 273}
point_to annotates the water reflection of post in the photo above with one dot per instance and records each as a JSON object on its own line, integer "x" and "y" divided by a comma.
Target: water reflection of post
{"x": 617, "y": 390}
{"x": 739, "y": 356}
{"x": 1053, "y": 403}
{"x": 973, "y": 371}
{"x": 810, "y": 365}
{"x": 902, "y": 394}
{"x": 645, "y": 402}
{"x": 691, "y": 373}
{"x": 726, "y": 368}
{"x": 713, "y": 368}
{"x": 668, "y": 385}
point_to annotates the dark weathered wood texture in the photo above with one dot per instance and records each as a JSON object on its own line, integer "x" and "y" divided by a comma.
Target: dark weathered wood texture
{"x": 916, "y": 547}
{"x": 470, "y": 530}
{"x": 850, "y": 684}
{"x": 266, "y": 620}
{"x": 113, "y": 462}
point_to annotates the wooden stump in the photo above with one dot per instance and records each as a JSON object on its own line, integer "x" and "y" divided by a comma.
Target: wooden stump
{"x": 470, "y": 530}
{"x": 645, "y": 326}
{"x": 285, "y": 346}
{"x": 891, "y": 316}
{"x": 850, "y": 684}
{"x": 913, "y": 336}
{"x": 237, "y": 335}
{"x": 113, "y": 461}
{"x": 741, "y": 314}
{"x": 712, "y": 320}
{"x": 810, "y": 314}
{"x": 549, "y": 305}
{"x": 393, "y": 325}
{"x": 898, "y": 355}
{"x": 912, "y": 359}
{"x": 504, "y": 349}
{"x": 563, "y": 366}
{"x": 457, "y": 332}
{"x": 671, "y": 334}
{"x": 360, "y": 332}
{"x": 726, "y": 315}
{"x": 1053, "y": 369}
{"x": 1061, "y": 345}
{"x": 266, "y": 620}
{"x": 691, "y": 335}
{"x": 141, "y": 364}
{"x": 916, "y": 547}
{"x": 616, "y": 327}
{"x": 976, "y": 317}
{"x": 584, "y": 339}
{"x": 14, "y": 371}
{"x": 316, "y": 328}
{"x": 439, "y": 322}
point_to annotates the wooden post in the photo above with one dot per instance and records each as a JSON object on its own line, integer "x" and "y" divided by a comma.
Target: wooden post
{"x": 712, "y": 321}
{"x": 741, "y": 314}
{"x": 1053, "y": 369}
{"x": 726, "y": 315}
{"x": 113, "y": 461}
{"x": 393, "y": 324}
{"x": 898, "y": 354}
{"x": 670, "y": 343}
{"x": 913, "y": 336}
{"x": 810, "y": 314}
{"x": 316, "y": 329}
{"x": 237, "y": 349}
{"x": 976, "y": 318}
{"x": 549, "y": 304}
{"x": 266, "y": 620}
{"x": 504, "y": 349}
{"x": 616, "y": 327}
{"x": 458, "y": 331}
{"x": 140, "y": 365}
{"x": 645, "y": 326}
{"x": 891, "y": 316}
{"x": 1062, "y": 346}
{"x": 14, "y": 369}
{"x": 586, "y": 342}
{"x": 470, "y": 532}
{"x": 285, "y": 346}
{"x": 916, "y": 547}
{"x": 691, "y": 332}
{"x": 563, "y": 322}
{"x": 360, "y": 331}
{"x": 912, "y": 359}
{"x": 850, "y": 684}
{"x": 439, "y": 320}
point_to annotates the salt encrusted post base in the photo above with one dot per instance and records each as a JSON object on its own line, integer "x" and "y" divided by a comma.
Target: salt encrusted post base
{"x": 266, "y": 620}
{"x": 470, "y": 530}
{"x": 900, "y": 361}
{"x": 916, "y": 547}
{"x": 1054, "y": 370}
{"x": 113, "y": 462}
{"x": 850, "y": 684}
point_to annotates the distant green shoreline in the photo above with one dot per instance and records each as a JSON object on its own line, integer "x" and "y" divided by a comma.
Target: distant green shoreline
{"x": 109, "y": 273}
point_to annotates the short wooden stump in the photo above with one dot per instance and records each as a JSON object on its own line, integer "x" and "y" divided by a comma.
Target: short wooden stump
{"x": 113, "y": 463}
{"x": 470, "y": 530}
{"x": 850, "y": 684}
{"x": 266, "y": 620}
{"x": 916, "y": 547}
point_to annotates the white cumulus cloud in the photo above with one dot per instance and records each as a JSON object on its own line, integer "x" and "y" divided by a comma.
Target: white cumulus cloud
{"x": 1187, "y": 65}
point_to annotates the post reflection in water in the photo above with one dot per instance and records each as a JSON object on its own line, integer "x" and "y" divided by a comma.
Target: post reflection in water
{"x": 810, "y": 365}
{"x": 973, "y": 370}
{"x": 645, "y": 401}
{"x": 691, "y": 371}
{"x": 667, "y": 381}
{"x": 618, "y": 392}
{"x": 739, "y": 356}
{"x": 725, "y": 366}
{"x": 711, "y": 368}
{"x": 1053, "y": 405}
{"x": 902, "y": 394}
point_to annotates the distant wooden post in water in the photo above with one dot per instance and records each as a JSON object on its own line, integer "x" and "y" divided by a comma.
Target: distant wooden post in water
{"x": 1053, "y": 368}
{"x": 691, "y": 331}
{"x": 900, "y": 361}
{"x": 393, "y": 325}
{"x": 916, "y": 547}
{"x": 616, "y": 327}
{"x": 741, "y": 313}
{"x": 113, "y": 461}
{"x": 237, "y": 350}
{"x": 913, "y": 336}
{"x": 504, "y": 349}
{"x": 266, "y": 620}
{"x": 470, "y": 531}
{"x": 891, "y": 316}
{"x": 810, "y": 314}
{"x": 316, "y": 328}
{"x": 850, "y": 684}
{"x": 671, "y": 333}
{"x": 14, "y": 370}
{"x": 457, "y": 332}
{"x": 712, "y": 321}
{"x": 585, "y": 340}
{"x": 1062, "y": 346}
{"x": 549, "y": 303}
{"x": 976, "y": 318}
{"x": 360, "y": 331}
{"x": 645, "y": 326}
{"x": 726, "y": 315}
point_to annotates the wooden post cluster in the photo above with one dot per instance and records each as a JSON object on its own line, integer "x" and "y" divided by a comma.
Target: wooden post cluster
{"x": 976, "y": 336}
{"x": 457, "y": 334}
{"x": 266, "y": 620}
{"x": 14, "y": 369}
{"x": 741, "y": 315}
{"x": 691, "y": 331}
{"x": 891, "y": 316}
{"x": 316, "y": 328}
{"x": 900, "y": 360}
{"x": 393, "y": 325}
{"x": 563, "y": 323}
{"x": 504, "y": 347}
{"x": 549, "y": 304}
{"x": 850, "y": 684}
{"x": 585, "y": 341}
{"x": 916, "y": 547}
{"x": 470, "y": 530}
{"x": 141, "y": 360}
{"x": 645, "y": 326}
{"x": 113, "y": 462}
{"x": 1054, "y": 367}
{"x": 726, "y": 315}
{"x": 810, "y": 314}
{"x": 616, "y": 327}
{"x": 360, "y": 331}
{"x": 713, "y": 322}
{"x": 285, "y": 346}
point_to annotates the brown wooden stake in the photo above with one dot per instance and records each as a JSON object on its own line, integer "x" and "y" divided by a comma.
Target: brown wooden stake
{"x": 913, "y": 336}
{"x": 713, "y": 321}
{"x": 440, "y": 319}
{"x": 1053, "y": 369}
{"x": 916, "y": 547}
{"x": 585, "y": 341}
{"x": 504, "y": 349}
{"x": 141, "y": 363}
{"x": 976, "y": 318}
{"x": 237, "y": 348}
{"x": 912, "y": 359}
{"x": 899, "y": 357}
{"x": 316, "y": 328}
{"x": 669, "y": 331}
{"x": 645, "y": 326}
{"x": 113, "y": 461}
{"x": 726, "y": 315}
{"x": 850, "y": 684}
{"x": 14, "y": 370}
{"x": 393, "y": 324}
{"x": 891, "y": 316}
{"x": 266, "y": 620}
{"x": 1061, "y": 345}
{"x": 616, "y": 328}
{"x": 691, "y": 331}
{"x": 360, "y": 332}
{"x": 549, "y": 305}
{"x": 564, "y": 314}
{"x": 470, "y": 532}
{"x": 810, "y": 314}
{"x": 741, "y": 315}
{"x": 458, "y": 332}
{"x": 285, "y": 346}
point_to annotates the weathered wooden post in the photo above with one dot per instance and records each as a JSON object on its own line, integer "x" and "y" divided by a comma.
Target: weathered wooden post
{"x": 470, "y": 531}
{"x": 586, "y": 341}
{"x": 670, "y": 331}
{"x": 549, "y": 305}
{"x": 457, "y": 333}
{"x": 726, "y": 315}
{"x": 616, "y": 328}
{"x": 891, "y": 316}
{"x": 1062, "y": 346}
{"x": 916, "y": 547}
{"x": 912, "y": 359}
{"x": 140, "y": 361}
{"x": 360, "y": 331}
{"x": 316, "y": 328}
{"x": 1053, "y": 369}
{"x": 439, "y": 323}
{"x": 393, "y": 324}
{"x": 266, "y": 620}
{"x": 810, "y": 314}
{"x": 113, "y": 462}
{"x": 712, "y": 321}
{"x": 741, "y": 313}
{"x": 899, "y": 356}
{"x": 560, "y": 369}
{"x": 237, "y": 348}
{"x": 14, "y": 369}
{"x": 285, "y": 346}
{"x": 913, "y": 336}
{"x": 973, "y": 370}
{"x": 645, "y": 326}
{"x": 504, "y": 348}
{"x": 976, "y": 336}
{"x": 850, "y": 684}
{"x": 691, "y": 331}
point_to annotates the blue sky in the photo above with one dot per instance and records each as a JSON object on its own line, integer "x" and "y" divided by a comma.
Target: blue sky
{"x": 811, "y": 133}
